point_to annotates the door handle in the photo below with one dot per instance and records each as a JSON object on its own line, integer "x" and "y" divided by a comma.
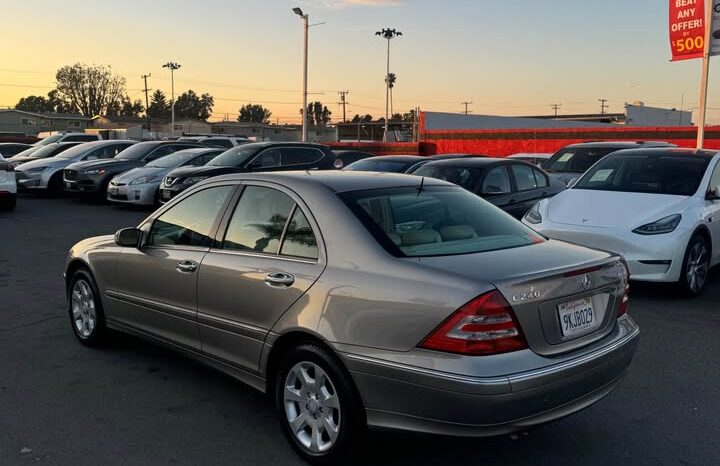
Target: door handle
{"x": 186, "y": 266}
{"x": 279, "y": 279}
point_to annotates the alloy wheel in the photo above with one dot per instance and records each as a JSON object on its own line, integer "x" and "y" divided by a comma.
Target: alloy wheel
{"x": 312, "y": 407}
{"x": 83, "y": 308}
{"x": 697, "y": 267}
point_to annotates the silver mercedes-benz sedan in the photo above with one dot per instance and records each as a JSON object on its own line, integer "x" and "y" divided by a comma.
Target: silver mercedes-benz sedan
{"x": 365, "y": 299}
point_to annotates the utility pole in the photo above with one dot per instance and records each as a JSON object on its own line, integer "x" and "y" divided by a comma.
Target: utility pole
{"x": 466, "y": 106}
{"x": 388, "y": 34}
{"x": 555, "y": 108}
{"x": 172, "y": 66}
{"x": 306, "y": 18}
{"x": 343, "y": 102}
{"x": 602, "y": 105}
{"x": 147, "y": 104}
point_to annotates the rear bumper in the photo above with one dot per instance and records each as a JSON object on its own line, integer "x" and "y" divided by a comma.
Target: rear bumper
{"x": 404, "y": 397}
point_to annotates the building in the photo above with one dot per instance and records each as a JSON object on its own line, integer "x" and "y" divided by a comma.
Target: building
{"x": 32, "y": 123}
{"x": 261, "y": 132}
{"x": 636, "y": 114}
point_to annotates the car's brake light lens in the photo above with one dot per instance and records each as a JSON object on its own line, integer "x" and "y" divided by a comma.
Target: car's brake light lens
{"x": 486, "y": 325}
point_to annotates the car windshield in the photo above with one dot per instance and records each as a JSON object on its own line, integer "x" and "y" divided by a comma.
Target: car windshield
{"x": 75, "y": 151}
{"x": 137, "y": 151}
{"x": 465, "y": 177}
{"x": 173, "y": 160}
{"x": 29, "y": 151}
{"x": 46, "y": 151}
{"x": 576, "y": 159}
{"x": 378, "y": 165}
{"x": 658, "y": 174}
{"x": 436, "y": 221}
{"x": 234, "y": 157}
{"x": 49, "y": 140}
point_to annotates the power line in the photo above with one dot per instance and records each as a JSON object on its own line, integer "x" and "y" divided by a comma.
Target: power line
{"x": 343, "y": 102}
{"x": 555, "y": 108}
{"x": 466, "y": 106}
{"x": 602, "y": 105}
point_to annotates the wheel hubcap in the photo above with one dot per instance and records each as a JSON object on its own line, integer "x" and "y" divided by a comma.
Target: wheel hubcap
{"x": 697, "y": 267}
{"x": 312, "y": 407}
{"x": 83, "y": 308}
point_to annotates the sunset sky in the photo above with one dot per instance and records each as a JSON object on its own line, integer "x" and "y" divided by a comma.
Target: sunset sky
{"x": 508, "y": 57}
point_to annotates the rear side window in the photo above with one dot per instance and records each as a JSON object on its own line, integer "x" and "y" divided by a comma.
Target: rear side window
{"x": 299, "y": 238}
{"x": 189, "y": 222}
{"x": 269, "y": 158}
{"x": 465, "y": 177}
{"x": 300, "y": 156}
{"x": 259, "y": 220}
{"x": 524, "y": 177}
{"x": 497, "y": 181}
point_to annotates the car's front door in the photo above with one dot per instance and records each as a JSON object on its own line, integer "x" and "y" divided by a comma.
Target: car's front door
{"x": 156, "y": 286}
{"x": 268, "y": 257}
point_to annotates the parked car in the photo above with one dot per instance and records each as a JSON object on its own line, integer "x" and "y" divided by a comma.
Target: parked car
{"x": 567, "y": 164}
{"x": 141, "y": 186}
{"x": 658, "y": 208}
{"x": 431, "y": 158}
{"x": 41, "y": 152}
{"x": 8, "y": 186}
{"x": 93, "y": 176}
{"x": 512, "y": 185}
{"x": 385, "y": 163}
{"x": 68, "y": 137}
{"x": 47, "y": 174}
{"x": 259, "y": 156}
{"x": 346, "y": 157}
{"x": 534, "y": 158}
{"x": 8, "y": 149}
{"x": 387, "y": 301}
{"x": 223, "y": 141}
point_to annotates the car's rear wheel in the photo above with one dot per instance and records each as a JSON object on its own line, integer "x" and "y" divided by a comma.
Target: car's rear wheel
{"x": 317, "y": 404}
{"x": 696, "y": 266}
{"x": 85, "y": 309}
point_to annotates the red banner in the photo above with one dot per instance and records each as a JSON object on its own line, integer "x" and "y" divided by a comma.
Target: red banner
{"x": 687, "y": 29}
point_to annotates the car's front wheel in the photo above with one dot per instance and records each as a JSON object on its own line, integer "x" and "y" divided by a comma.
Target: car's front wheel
{"x": 85, "y": 309}
{"x": 696, "y": 266}
{"x": 318, "y": 406}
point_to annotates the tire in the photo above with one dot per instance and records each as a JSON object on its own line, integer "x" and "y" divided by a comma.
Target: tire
{"x": 696, "y": 265}
{"x": 85, "y": 311}
{"x": 297, "y": 395}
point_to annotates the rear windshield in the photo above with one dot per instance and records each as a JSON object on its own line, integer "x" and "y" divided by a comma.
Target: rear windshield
{"x": 436, "y": 221}
{"x": 137, "y": 151}
{"x": 235, "y": 157}
{"x": 658, "y": 174}
{"x": 576, "y": 160}
{"x": 376, "y": 165}
{"x": 465, "y": 177}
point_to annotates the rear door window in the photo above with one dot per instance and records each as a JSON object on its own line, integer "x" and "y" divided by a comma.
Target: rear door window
{"x": 269, "y": 158}
{"x": 524, "y": 177}
{"x": 300, "y": 156}
{"x": 497, "y": 181}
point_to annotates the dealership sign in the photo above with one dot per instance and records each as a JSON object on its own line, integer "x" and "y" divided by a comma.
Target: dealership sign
{"x": 687, "y": 28}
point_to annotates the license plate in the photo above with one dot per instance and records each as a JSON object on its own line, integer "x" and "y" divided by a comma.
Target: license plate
{"x": 68, "y": 185}
{"x": 113, "y": 191}
{"x": 577, "y": 316}
{"x": 165, "y": 194}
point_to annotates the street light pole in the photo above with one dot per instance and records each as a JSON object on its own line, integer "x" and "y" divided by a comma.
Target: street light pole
{"x": 305, "y": 18}
{"x": 172, "y": 66}
{"x": 388, "y": 34}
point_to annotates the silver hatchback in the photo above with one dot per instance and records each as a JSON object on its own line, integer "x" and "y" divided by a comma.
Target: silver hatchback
{"x": 364, "y": 299}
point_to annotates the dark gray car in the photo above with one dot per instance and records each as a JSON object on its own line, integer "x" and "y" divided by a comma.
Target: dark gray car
{"x": 364, "y": 299}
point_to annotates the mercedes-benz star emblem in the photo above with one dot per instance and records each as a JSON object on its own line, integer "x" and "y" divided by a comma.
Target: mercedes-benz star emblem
{"x": 586, "y": 282}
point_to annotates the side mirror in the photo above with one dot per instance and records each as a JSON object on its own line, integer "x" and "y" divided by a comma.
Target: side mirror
{"x": 128, "y": 237}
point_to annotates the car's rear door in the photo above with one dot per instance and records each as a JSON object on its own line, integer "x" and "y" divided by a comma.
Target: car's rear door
{"x": 267, "y": 258}
{"x": 157, "y": 282}
{"x": 530, "y": 188}
{"x": 497, "y": 188}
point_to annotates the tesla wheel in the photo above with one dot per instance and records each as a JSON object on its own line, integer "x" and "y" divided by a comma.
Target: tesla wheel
{"x": 318, "y": 406}
{"x": 85, "y": 309}
{"x": 696, "y": 265}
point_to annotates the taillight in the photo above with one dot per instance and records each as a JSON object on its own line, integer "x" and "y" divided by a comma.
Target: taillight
{"x": 625, "y": 302}
{"x": 486, "y": 325}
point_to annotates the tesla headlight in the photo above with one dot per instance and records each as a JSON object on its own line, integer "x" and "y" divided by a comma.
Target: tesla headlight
{"x": 664, "y": 225}
{"x": 38, "y": 169}
{"x": 96, "y": 171}
{"x": 533, "y": 215}
{"x": 144, "y": 180}
{"x": 195, "y": 179}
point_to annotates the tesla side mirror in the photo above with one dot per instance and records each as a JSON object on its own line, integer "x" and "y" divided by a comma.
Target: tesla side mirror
{"x": 128, "y": 237}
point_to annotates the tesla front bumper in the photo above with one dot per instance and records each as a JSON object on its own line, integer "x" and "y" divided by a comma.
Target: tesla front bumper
{"x": 433, "y": 397}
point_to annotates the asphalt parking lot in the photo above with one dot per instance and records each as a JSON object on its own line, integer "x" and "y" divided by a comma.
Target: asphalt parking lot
{"x": 135, "y": 404}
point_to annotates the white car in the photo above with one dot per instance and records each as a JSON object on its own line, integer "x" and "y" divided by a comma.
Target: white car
{"x": 535, "y": 158}
{"x": 659, "y": 208}
{"x": 8, "y": 187}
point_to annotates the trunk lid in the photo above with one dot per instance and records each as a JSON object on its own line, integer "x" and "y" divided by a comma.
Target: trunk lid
{"x": 540, "y": 280}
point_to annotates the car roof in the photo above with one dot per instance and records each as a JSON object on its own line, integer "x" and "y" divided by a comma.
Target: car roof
{"x": 620, "y": 144}
{"x": 660, "y": 151}
{"x": 452, "y": 156}
{"x": 472, "y": 162}
{"x": 287, "y": 144}
{"x": 198, "y": 150}
{"x": 336, "y": 180}
{"x": 399, "y": 158}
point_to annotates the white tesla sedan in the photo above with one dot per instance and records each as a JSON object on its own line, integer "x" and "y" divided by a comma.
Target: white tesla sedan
{"x": 659, "y": 208}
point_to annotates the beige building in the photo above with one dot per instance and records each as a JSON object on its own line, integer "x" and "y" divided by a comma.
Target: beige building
{"x": 262, "y": 132}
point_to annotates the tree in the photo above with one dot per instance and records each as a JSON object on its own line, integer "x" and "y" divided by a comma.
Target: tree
{"x": 60, "y": 104}
{"x": 318, "y": 114}
{"x": 396, "y": 117}
{"x": 125, "y": 108}
{"x": 362, "y": 119}
{"x": 409, "y": 116}
{"x": 193, "y": 107}
{"x": 254, "y": 113}
{"x": 34, "y": 103}
{"x": 91, "y": 89}
{"x": 159, "y": 106}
